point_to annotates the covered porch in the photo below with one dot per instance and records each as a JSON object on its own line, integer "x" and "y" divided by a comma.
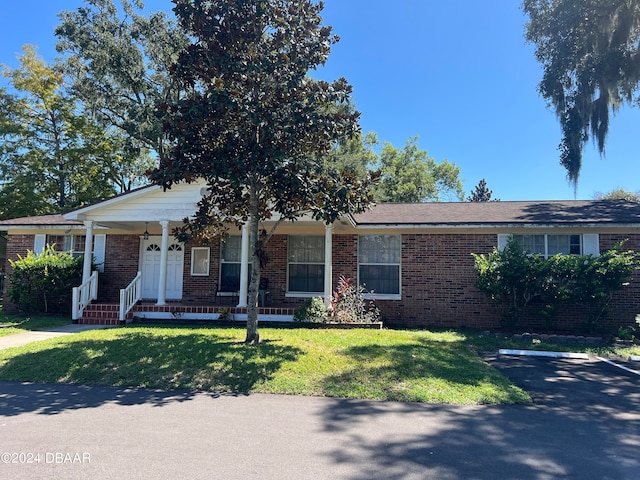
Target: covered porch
{"x": 146, "y": 273}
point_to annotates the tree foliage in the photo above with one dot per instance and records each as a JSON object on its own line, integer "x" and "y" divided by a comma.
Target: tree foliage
{"x": 53, "y": 157}
{"x": 589, "y": 50}
{"x": 410, "y": 175}
{"x": 119, "y": 60}
{"x": 254, "y": 125}
{"x": 481, "y": 193}
{"x": 618, "y": 194}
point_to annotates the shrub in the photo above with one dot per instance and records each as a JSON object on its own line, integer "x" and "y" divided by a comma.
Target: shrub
{"x": 348, "y": 304}
{"x": 513, "y": 278}
{"x": 510, "y": 278}
{"x": 44, "y": 282}
{"x": 312, "y": 310}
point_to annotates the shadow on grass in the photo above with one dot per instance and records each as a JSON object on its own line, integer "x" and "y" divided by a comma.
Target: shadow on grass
{"x": 425, "y": 362}
{"x": 194, "y": 362}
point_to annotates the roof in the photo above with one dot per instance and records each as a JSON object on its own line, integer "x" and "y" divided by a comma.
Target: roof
{"x": 503, "y": 213}
{"x": 50, "y": 220}
{"x": 560, "y": 212}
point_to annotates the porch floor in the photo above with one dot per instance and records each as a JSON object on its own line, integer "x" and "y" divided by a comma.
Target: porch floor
{"x": 108, "y": 313}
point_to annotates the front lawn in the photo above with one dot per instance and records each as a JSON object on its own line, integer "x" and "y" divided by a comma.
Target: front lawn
{"x": 419, "y": 366}
{"x": 12, "y": 324}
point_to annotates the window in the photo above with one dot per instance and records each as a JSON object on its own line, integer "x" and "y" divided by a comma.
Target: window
{"x": 200, "y": 261}
{"x": 230, "y": 262}
{"x": 68, "y": 243}
{"x": 549, "y": 245}
{"x": 379, "y": 263}
{"x": 306, "y": 264}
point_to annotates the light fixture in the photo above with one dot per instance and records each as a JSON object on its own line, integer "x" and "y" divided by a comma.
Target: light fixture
{"x": 146, "y": 233}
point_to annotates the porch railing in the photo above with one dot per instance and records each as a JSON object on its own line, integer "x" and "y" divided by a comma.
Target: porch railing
{"x": 84, "y": 295}
{"x": 130, "y": 295}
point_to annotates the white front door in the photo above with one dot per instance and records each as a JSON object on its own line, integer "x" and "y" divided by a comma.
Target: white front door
{"x": 151, "y": 253}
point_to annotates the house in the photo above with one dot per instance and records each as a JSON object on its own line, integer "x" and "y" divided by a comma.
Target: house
{"x": 415, "y": 258}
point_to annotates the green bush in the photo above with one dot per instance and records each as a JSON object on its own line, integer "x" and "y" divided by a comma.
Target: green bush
{"x": 510, "y": 278}
{"x": 513, "y": 278}
{"x": 312, "y": 310}
{"x": 43, "y": 282}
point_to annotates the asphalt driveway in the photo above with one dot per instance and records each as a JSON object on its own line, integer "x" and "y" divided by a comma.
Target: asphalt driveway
{"x": 584, "y": 423}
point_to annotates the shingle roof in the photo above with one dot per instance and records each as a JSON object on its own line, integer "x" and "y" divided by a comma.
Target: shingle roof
{"x": 500, "y": 213}
{"x": 54, "y": 219}
{"x": 611, "y": 212}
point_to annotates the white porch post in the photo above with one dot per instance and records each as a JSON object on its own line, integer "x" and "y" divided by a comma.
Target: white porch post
{"x": 164, "y": 252}
{"x": 88, "y": 251}
{"x": 244, "y": 267}
{"x": 328, "y": 265}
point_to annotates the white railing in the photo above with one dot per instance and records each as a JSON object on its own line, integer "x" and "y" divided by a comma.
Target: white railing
{"x": 129, "y": 296}
{"x": 84, "y": 295}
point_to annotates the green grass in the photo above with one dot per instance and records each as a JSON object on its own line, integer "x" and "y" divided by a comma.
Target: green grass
{"x": 12, "y": 324}
{"x": 419, "y": 366}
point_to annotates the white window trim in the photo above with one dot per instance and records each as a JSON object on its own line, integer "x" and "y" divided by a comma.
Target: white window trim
{"x": 298, "y": 294}
{"x": 193, "y": 261}
{"x": 382, "y": 296}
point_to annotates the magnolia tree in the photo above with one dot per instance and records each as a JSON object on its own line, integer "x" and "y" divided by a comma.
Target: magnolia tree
{"x": 255, "y": 126}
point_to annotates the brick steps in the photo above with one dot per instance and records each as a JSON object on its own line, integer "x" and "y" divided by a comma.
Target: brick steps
{"x": 100, "y": 314}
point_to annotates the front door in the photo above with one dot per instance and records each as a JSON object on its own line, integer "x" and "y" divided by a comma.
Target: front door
{"x": 151, "y": 254}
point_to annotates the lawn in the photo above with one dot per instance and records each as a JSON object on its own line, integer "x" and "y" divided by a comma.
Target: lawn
{"x": 10, "y": 325}
{"x": 420, "y": 366}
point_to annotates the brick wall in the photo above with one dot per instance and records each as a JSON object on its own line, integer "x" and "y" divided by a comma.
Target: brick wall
{"x": 438, "y": 283}
{"x": 16, "y": 245}
{"x": 437, "y": 279}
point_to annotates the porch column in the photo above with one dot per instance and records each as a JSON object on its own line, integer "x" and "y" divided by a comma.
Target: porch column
{"x": 328, "y": 265}
{"x": 164, "y": 252}
{"x": 88, "y": 251}
{"x": 244, "y": 268}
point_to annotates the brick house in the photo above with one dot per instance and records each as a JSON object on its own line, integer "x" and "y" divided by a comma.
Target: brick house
{"x": 416, "y": 258}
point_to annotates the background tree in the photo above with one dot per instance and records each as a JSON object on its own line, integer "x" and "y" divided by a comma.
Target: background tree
{"x": 356, "y": 153}
{"x": 53, "y": 158}
{"x": 589, "y": 50}
{"x": 254, "y": 125}
{"x": 119, "y": 60}
{"x": 481, "y": 193}
{"x": 410, "y": 175}
{"x": 618, "y": 194}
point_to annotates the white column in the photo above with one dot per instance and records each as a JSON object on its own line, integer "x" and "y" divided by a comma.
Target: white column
{"x": 88, "y": 251}
{"x": 244, "y": 268}
{"x": 328, "y": 265}
{"x": 164, "y": 252}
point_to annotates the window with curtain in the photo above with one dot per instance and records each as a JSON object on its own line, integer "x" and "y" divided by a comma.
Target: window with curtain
{"x": 379, "y": 259}
{"x": 549, "y": 245}
{"x": 305, "y": 256}
{"x": 230, "y": 261}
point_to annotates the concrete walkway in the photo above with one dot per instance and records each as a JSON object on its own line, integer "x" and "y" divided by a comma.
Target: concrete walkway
{"x": 20, "y": 339}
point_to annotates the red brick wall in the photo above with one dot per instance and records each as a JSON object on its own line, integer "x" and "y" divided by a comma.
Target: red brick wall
{"x": 16, "y": 245}
{"x": 437, "y": 279}
{"x": 438, "y": 283}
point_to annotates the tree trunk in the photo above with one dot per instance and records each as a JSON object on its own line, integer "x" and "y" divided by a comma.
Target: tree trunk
{"x": 254, "y": 247}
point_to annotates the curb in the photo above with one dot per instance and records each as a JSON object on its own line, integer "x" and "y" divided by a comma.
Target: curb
{"x": 542, "y": 353}
{"x": 626, "y": 369}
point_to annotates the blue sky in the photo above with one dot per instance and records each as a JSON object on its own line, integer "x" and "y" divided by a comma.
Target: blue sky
{"x": 458, "y": 74}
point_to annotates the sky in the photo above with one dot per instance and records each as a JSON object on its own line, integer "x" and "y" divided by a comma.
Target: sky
{"x": 457, "y": 74}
